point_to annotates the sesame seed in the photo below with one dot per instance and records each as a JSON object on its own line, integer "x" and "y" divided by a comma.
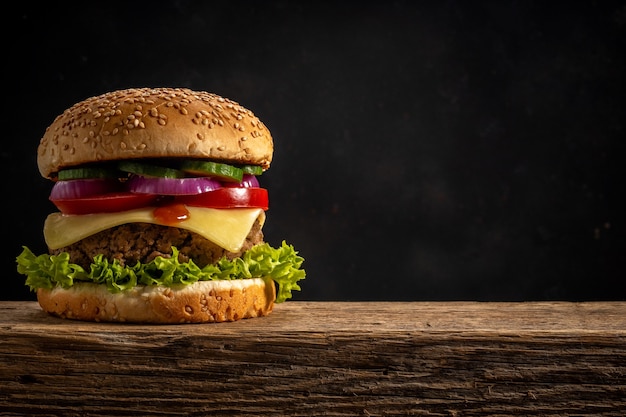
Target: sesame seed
{"x": 220, "y": 148}
{"x": 162, "y": 122}
{"x": 200, "y": 136}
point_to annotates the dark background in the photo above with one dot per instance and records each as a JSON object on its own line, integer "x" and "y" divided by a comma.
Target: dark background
{"x": 443, "y": 150}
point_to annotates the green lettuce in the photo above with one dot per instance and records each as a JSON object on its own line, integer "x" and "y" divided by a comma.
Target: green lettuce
{"x": 283, "y": 265}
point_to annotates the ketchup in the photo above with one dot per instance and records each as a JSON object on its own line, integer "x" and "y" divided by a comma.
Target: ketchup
{"x": 171, "y": 213}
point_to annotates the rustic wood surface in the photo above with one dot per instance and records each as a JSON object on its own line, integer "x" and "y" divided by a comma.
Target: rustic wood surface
{"x": 324, "y": 358}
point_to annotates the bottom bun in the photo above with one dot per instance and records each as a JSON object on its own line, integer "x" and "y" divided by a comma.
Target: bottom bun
{"x": 201, "y": 302}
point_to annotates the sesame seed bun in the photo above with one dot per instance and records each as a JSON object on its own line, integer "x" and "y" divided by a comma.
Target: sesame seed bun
{"x": 201, "y": 302}
{"x": 154, "y": 123}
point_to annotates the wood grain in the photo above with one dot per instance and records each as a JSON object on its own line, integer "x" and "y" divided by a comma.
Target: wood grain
{"x": 324, "y": 358}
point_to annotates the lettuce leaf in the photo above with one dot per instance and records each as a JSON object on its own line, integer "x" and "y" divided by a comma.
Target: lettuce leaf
{"x": 283, "y": 265}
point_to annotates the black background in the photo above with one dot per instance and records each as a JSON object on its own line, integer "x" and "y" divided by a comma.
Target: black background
{"x": 442, "y": 150}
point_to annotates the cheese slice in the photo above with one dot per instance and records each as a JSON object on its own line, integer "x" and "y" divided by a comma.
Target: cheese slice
{"x": 227, "y": 228}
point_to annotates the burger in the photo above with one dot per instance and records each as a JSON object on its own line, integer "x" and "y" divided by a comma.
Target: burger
{"x": 160, "y": 212}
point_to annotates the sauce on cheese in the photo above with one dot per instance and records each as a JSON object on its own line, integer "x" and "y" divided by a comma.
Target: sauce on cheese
{"x": 171, "y": 214}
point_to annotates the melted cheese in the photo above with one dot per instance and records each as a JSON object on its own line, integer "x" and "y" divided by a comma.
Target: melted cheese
{"x": 227, "y": 228}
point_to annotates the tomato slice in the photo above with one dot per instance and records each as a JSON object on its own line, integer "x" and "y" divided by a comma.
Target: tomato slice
{"x": 104, "y": 203}
{"x": 223, "y": 198}
{"x": 227, "y": 197}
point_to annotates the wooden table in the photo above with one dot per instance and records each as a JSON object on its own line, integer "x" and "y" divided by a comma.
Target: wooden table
{"x": 324, "y": 358}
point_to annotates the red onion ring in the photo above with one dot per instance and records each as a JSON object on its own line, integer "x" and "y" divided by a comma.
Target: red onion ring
{"x": 172, "y": 186}
{"x": 71, "y": 189}
{"x": 248, "y": 181}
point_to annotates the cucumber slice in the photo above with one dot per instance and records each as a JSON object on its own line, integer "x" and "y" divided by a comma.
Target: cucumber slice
{"x": 148, "y": 170}
{"x": 223, "y": 172}
{"x": 87, "y": 173}
{"x": 252, "y": 169}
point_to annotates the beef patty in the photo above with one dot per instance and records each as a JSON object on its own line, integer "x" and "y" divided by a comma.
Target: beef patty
{"x": 133, "y": 242}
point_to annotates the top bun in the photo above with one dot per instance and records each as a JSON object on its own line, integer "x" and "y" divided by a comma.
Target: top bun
{"x": 154, "y": 123}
